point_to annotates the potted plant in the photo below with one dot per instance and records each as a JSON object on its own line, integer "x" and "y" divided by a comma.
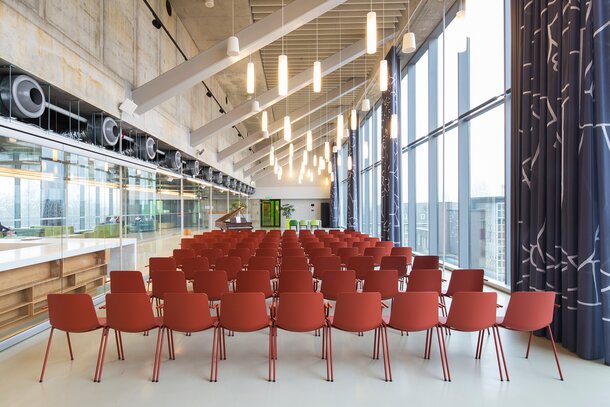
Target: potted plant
{"x": 287, "y": 211}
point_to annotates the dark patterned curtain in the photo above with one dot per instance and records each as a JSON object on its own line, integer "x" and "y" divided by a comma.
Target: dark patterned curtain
{"x": 561, "y": 164}
{"x": 353, "y": 177}
{"x": 334, "y": 194}
{"x": 390, "y": 155}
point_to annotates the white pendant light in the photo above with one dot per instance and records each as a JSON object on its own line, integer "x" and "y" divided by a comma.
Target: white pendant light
{"x": 291, "y": 151}
{"x": 304, "y": 158}
{"x": 279, "y": 174}
{"x": 232, "y": 46}
{"x": 309, "y": 140}
{"x": 287, "y": 129}
{"x": 460, "y": 21}
{"x": 315, "y": 160}
{"x": 290, "y": 169}
{"x": 408, "y": 43}
{"x": 371, "y": 32}
{"x": 319, "y": 171}
{"x": 265, "y": 124}
{"x": 250, "y": 78}
{"x": 300, "y": 179}
{"x": 322, "y": 164}
{"x": 338, "y": 160}
{"x": 317, "y": 76}
{"x": 282, "y": 73}
{"x": 339, "y": 130}
{"x": 310, "y": 176}
{"x": 255, "y": 107}
{"x": 332, "y": 177}
{"x": 326, "y": 181}
{"x": 349, "y": 163}
{"x": 330, "y": 167}
{"x": 383, "y": 75}
{"x": 271, "y": 155}
{"x": 327, "y": 150}
{"x": 366, "y": 105}
{"x": 394, "y": 126}
{"x": 275, "y": 167}
{"x": 354, "y": 120}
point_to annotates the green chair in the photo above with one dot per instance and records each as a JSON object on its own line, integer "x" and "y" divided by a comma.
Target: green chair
{"x": 304, "y": 224}
{"x": 295, "y": 223}
{"x": 314, "y": 223}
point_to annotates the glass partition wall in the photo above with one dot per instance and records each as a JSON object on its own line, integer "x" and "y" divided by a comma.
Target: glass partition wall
{"x": 455, "y": 98}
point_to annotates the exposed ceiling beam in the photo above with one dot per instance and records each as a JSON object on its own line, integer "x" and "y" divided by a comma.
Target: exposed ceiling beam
{"x": 263, "y": 152}
{"x": 295, "y": 84}
{"x": 213, "y": 60}
{"x": 295, "y": 115}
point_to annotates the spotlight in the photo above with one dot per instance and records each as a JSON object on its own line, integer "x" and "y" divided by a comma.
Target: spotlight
{"x": 157, "y": 23}
{"x": 209, "y": 3}
{"x": 208, "y": 93}
{"x": 221, "y": 111}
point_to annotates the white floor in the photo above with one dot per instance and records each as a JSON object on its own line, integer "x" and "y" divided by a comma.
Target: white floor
{"x": 300, "y": 373}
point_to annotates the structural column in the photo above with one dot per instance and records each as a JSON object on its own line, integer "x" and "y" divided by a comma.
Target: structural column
{"x": 353, "y": 178}
{"x": 391, "y": 223}
{"x": 334, "y": 194}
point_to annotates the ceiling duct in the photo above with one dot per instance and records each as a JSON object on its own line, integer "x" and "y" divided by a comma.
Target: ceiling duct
{"x": 104, "y": 131}
{"x": 193, "y": 167}
{"x": 146, "y": 148}
{"x": 23, "y": 98}
{"x": 173, "y": 160}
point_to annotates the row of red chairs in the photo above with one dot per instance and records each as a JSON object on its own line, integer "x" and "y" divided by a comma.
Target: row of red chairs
{"x": 300, "y": 312}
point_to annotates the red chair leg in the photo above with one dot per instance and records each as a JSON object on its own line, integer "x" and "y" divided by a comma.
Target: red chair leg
{"x": 554, "y": 352}
{"x": 375, "y": 348}
{"x": 498, "y": 356}
{"x": 502, "y": 352}
{"x": 158, "y": 354}
{"x": 440, "y": 350}
{"x": 214, "y": 337}
{"x": 383, "y": 335}
{"x": 121, "y": 345}
{"x": 99, "y": 355}
{"x": 426, "y": 347}
{"x": 529, "y": 343}
{"x": 46, "y": 355}
{"x": 330, "y": 353}
{"x": 443, "y": 346}
{"x": 70, "y": 345}
{"x": 99, "y": 375}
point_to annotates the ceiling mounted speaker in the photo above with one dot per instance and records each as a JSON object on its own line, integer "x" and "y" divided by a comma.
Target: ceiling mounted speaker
{"x": 146, "y": 148}
{"x": 206, "y": 173}
{"x": 173, "y": 160}
{"x": 217, "y": 178}
{"x": 193, "y": 167}
{"x": 23, "y": 98}
{"x": 226, "y": 181}
{"x": 104, "y": 131}
{"x": 233, "y": 184}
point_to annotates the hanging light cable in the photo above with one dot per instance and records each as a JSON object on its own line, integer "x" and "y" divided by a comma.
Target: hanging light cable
{"x": 233, "y": 41}
{"x": 250, "y": 77}
{"x": 282, "y": 65}
{"x": 317, "y": 67}
{"x": 271, "y": 154}
{"x": 327, "y": 150}
{"x": 408, "y": 40}
{"x": 366, "y": 103}
{"x": 265, "y": 124}
{"x": 383, "y": 64}
{"x": 309, "y": 140}
{"x": 287, "y": 129}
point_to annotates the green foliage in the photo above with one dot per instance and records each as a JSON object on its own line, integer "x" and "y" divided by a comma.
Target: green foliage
{"x": 287, "y": 210}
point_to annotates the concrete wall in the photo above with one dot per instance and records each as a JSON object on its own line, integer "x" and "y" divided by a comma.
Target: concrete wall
{"x": 96, "y": 49}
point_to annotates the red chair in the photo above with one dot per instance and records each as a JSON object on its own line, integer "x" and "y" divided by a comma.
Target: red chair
{"x": 385, "y": 282}
{"x": 263, "y": 263}
{"x": 361, "y": 246}
{"x": 528, "y": 312}
{"x": 362, "y": 265}
{"x": 418, "y": 311}
{"x": 254, "y": 281}
{"x": 337, "y": 282}
{"x": 403, "y": 251}
{"x": 161, "y": 264}
{"x": 320, "y": 252}
{"x": 425, "y": 262}
{"x": 346, "y": 253}
{"x": 376, "y": 253}
{"x": 470, "y": 280}
{"x": 294, "y": 263}
{"x": 243, "y": 253}
{"x": 386, "y": 245}
{"x": 187, "y": 242}
{"x": 421, "y": 280}
{"x": 398, "y": 263}
{"x": 244, "y": 312}
{"x": 127, "y": 281}
{"x": 323, "y": 264}
{"x": 475, "y": 312}
{"x": 180, "y": 254}
{"x": 335, "y": 246}
{"x": 231, "y": 265}
{"x": 212, "y": 255}
{"x": 223, "y": 246}
{"x": 304, "y": 312}
{"x": 166, "y": 283}
{"x": 372, "y": 240}
{"x": 129, "y": 313}
{"x": 194, "y": 265}
{"x": 295, "y": 281}
{"x": 73, "y": 313}
{"x": 297, "y": 252}
{"x": 267, "y": 252}
{"x": 186, "y": 313}
{"x": 361, "y": 312}
{"x": 213, "y": 283}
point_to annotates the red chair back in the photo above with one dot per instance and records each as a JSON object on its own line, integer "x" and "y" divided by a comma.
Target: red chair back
{"x": 223, "y": 246}
{"x": 186, "y": 312}
{"x": 385, "y": 282}
{"x": 425, "y": 262}
{"x": 295, "y": 252}
{"x": 243, "y": 312}
{"x": 414, "y": 311}
{"x": 300, "y": 312}
{"x": 361, "y": 246}
{"x": 130, "y": 312}
{"x": 263, "y": 263}
{"x": 398, "y": 263}
{"x": 403, "y": 251}
{"x": 472, "y": 311}
{"x": 73, "y": 312}
{"x": 421, "y": 280}
{"x": 123, "y": 281}
{"x": 180, "y": 254}
{"x": 213, "y": 283}
{"x": 337, "y": 282}
{"x": 231, "y": 265}
{"x": 346, "y": 253}
{"x": 295, "y": 281}
{"x": 187, "y": 242}
{"x": 254, "y": 281}
{"x": 167, "y": 283}
{"x": 469, "y": 280}
{"x": 161, "y": 264}
{"x": 319, "y": 252}
{"x": 294, "y": 263}
{"x": 362, "y": 265}
{"x": 357, "y": 312}
{"x": 211, "y": 255}
{"x": 529, "y": 311}
{"x": 376, "y": 253}
{"x": 335, "y": 246}
{"x": 387, "y": 245}
{"x": 267, "y": 252}
{"x": 326, "y": 263}
{"x": 193, "y": 265}
{"x": 243, "y": 253}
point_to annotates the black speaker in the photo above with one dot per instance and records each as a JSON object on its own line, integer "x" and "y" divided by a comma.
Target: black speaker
{"x": 325, "y": 214}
